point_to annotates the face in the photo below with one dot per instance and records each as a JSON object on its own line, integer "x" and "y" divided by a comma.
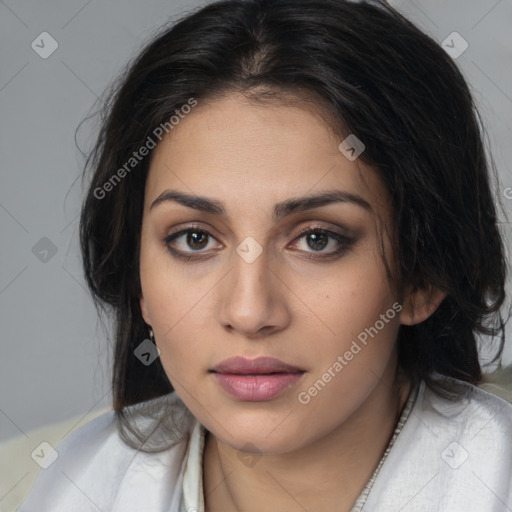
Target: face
{"x": 236, "y": 275}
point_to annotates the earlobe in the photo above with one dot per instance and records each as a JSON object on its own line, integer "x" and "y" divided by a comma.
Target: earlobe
{"x": 420, "y": 303}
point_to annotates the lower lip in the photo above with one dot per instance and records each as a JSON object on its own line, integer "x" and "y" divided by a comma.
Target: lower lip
{"x": 256, "y": 388}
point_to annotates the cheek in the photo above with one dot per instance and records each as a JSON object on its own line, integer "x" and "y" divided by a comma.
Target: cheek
{"x": 176, "y": 314}
{"x": 349, "y": 325}
{"x": 347, "y": 365}
{"x": 350, "y": 296}
{"x": 178, "y": 306}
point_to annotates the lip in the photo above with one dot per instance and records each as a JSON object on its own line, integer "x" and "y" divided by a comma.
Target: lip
{"x": 255, "y": 380}
{"x": 260, "y": 365}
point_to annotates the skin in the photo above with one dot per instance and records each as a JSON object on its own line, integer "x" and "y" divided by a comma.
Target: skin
{"x": 303, "y": 311}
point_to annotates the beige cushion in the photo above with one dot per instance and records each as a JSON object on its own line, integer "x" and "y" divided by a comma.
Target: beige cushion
{"x": 18, "y": 470}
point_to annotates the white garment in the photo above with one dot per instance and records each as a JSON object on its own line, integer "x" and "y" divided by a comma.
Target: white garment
{"x": 448, "y": 457}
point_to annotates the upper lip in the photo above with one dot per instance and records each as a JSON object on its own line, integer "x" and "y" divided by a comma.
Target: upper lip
{"x": 242, "y": 365}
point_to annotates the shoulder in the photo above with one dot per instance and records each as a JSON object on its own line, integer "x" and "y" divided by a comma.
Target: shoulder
{"x": 94, "y": 467}
{"x": 451, "y": 455}
{"x": 476, "y": 426}
{"x": 475, "y": 413}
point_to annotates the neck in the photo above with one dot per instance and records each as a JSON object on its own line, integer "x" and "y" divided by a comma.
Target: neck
{"x": 331, "y": 472}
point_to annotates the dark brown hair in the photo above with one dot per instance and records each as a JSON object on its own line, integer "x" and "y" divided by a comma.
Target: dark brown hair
{"x": 381, "y": 78}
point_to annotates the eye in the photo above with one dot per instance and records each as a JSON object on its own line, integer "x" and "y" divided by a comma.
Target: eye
{"x": 192, "y": 238}
{"x": 318, "y": 239}
{"x": 197, "y": 239}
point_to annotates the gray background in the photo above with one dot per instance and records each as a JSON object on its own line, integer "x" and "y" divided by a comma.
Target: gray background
{"x": 55, "y": 356}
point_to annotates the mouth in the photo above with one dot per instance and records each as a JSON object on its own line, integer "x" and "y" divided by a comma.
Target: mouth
{"x": 255, "y": 380}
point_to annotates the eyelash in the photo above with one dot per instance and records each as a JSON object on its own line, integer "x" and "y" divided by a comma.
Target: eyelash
{"x": 345, "y": 243}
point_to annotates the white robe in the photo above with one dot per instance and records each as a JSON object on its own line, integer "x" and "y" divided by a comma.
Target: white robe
{"x": 447, "y": 457}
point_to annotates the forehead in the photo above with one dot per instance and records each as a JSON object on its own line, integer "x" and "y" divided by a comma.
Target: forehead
{"x": 244, "y": 152}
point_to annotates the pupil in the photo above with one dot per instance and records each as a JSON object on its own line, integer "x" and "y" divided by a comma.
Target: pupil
{"x": 315, "y": 237}
{"x": 192, "y": 239}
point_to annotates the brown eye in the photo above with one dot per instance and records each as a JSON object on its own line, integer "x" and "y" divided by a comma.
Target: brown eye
{"x": 318, "y": 239}
{"x": 196, "y": 239}
{"x": 183, "y": 244}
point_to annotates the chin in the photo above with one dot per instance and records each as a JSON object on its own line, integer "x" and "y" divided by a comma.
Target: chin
{"x": 258, "y": 433}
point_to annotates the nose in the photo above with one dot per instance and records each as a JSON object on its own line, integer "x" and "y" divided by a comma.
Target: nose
{"x": 253, "y": 298}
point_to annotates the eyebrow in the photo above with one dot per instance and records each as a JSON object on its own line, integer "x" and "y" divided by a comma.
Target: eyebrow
{"x": 281, "y": 210}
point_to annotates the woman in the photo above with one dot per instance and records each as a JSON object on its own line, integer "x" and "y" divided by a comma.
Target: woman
{"x": 291, "y": 218}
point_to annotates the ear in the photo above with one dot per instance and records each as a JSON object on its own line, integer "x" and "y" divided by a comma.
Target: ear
{"x": 420, "y": 303}
{"x": 144, "y": 310}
